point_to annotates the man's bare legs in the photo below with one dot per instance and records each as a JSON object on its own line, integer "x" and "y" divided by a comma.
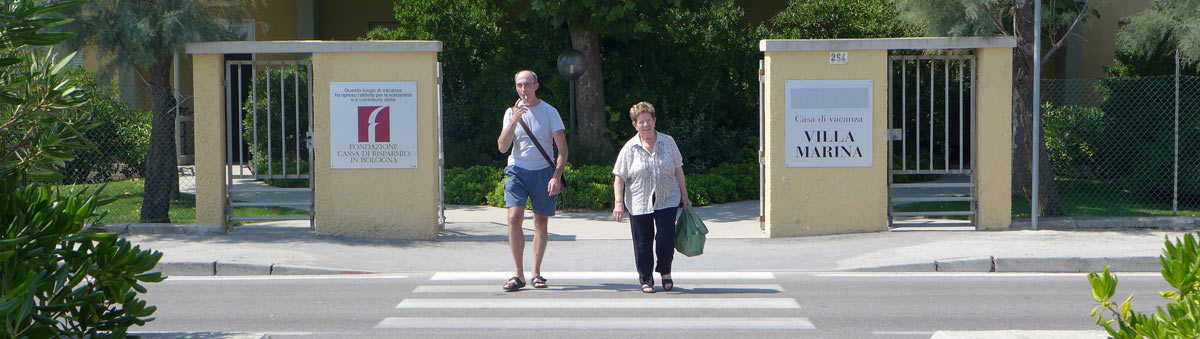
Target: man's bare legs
{"x": 539, "y": 242}
{"x": 516, "y": 238}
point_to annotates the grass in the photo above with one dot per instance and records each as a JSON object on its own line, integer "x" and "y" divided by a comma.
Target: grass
{"x": 1080, "y": 198}
{"x": 128, "y": 205}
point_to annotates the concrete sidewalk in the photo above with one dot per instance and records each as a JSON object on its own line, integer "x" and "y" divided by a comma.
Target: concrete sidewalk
{"x": 475, "y": 240}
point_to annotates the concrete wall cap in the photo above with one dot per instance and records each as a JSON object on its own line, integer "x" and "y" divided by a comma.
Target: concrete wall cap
{"x": 888, "y": 44}
{"x": 311, "y": 46}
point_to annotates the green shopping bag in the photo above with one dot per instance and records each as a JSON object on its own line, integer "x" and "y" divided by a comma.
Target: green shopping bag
{"x": 689, "y": 233}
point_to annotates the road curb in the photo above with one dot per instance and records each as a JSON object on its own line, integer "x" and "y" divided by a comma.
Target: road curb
{"x": 218, "y": 268}
{"x": 157, "y": 229}
{"x": 1024, "y": 265}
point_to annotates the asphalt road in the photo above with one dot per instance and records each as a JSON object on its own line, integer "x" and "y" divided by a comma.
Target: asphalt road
{"x": 609, "y": 304}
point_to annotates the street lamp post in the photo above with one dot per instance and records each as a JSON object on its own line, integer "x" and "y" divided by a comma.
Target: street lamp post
{"x": 571, "y": 65}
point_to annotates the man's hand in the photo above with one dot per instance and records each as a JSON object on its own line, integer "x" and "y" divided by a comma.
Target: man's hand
{"x": 518, "y": 110}
{"x": 554, "y": 186}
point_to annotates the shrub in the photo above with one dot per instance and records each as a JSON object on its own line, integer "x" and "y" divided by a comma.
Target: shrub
{"x": 707, "y": 189}
{"x": 59, "y": 279}
{"x": 496, "y": 196}
{"x": 1070, "y": 138}
{"x": 744, "y": 177}
{"x": 589, "y": 187}
{"x": 471, "y": 186}
{"x": 121, "y": 135}
{"x": 1181, "y": 316}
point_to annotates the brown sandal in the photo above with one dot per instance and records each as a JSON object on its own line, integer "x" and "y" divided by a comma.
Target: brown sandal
{"x": 515, "y": 283}
{"x": 538, "y": 281}
{"x": 647, "y": 288}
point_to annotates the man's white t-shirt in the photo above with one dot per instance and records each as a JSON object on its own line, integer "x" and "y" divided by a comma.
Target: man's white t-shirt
{"x": 543, "y": 120}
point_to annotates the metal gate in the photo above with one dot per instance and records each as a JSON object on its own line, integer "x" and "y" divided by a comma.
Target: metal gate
{"x": 931, "y": 124}
{"x": 268, "y": 133}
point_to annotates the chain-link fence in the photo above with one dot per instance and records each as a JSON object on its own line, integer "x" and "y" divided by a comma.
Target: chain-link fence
{"x": 1115, "y": 149}
{"x": 121, "y": 134}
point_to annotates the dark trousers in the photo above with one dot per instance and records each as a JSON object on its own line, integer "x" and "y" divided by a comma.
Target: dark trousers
{"x": 644, "y": 235}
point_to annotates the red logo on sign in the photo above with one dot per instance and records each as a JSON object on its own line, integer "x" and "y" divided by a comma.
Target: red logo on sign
{"x": 374, "y": 124}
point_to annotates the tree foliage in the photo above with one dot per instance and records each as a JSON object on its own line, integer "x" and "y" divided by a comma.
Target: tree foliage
{"x": 697, "y": 62}
{"x": 840, "y": 19}
{"x": 59, "y": 277}
{"x": 610, "y": 18}
{"x": 144, "y": 35}
{"x": 139, "y": 33}
{"x": 1166, "y": 26}
{"x": 38, "y": 132}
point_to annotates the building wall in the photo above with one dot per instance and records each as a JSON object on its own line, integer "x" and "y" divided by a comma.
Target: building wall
{"x": 1094, "y": 45}
{"x": 377, "y": 203}
{"x": 210, "y": 155}
{"x": 830, "y": 200}
{"x": 350, "y": 20}
{"x": 993, "y": 168}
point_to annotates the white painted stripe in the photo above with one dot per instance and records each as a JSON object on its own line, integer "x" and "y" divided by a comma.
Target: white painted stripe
{"x": 975, "y": 275}
{"x": 1036, "y": 334}
{"x": 284, "y": 277}
{"x": 598, "y": 323}
{"x": 698, "y": 288}
{"x": 693, "y": 303}
{"x": 605, "y": 275}
{"x": 215, "y": 334}
{"x": 901, "y": 333}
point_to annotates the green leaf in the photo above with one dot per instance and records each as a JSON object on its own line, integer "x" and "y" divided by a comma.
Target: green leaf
{"x": 5, "y": 62}
{"x": 63, "y": 62}
{"x": 57, "y": 7}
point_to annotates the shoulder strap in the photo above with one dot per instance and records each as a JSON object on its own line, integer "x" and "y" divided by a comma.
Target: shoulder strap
{"x": 536, "y": 143}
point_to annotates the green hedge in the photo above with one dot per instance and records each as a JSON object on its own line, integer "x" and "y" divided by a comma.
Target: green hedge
{"x": 590, "y": 187}
{"x": 471, "y": 186}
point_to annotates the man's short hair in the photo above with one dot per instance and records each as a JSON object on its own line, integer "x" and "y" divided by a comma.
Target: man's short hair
{"x": 535, "y": 79}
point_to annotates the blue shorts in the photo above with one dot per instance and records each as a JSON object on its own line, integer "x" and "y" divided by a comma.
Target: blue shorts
{"x": 521, "y": 184}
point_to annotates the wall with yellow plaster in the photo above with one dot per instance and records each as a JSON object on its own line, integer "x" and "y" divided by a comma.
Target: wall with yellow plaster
{"x": 210, "y": 122}
{"x": 830, "y": 200}
{"x": 993, "y": 169}
{"x": 377, "y": 203}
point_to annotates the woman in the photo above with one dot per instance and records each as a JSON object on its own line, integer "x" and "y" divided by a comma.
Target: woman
{"x": 649, "y": 183}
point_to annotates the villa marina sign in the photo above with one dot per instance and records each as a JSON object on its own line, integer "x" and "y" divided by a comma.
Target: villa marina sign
{"x": 373, "y": 124}
{"x": 828, "y": 123}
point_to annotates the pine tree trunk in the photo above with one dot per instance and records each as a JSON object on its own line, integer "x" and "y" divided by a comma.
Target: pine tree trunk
{"x": 593, "y": 146}
{"x": 161, "y": 172}
{"x": 1022, "y": 178}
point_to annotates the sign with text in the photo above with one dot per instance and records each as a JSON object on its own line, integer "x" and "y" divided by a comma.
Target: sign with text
{"x": 373, "y": 124}
{"x": 829, "y": 123}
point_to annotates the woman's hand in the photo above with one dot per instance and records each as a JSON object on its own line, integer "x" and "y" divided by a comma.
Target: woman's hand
{"x": 686, "y": 201}
{"x": 618, "y": 211}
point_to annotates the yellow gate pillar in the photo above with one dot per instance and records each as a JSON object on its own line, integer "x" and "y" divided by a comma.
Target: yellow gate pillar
{"x": 374, "y": 175}
{"x": 842, "y": 187}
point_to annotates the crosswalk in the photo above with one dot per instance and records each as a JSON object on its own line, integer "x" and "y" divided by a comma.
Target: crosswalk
{"x": 736, "y": 301}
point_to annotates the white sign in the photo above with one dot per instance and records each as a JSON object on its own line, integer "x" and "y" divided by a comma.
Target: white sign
{"x": 828, "y": 123}
{"x": 373, "y": 124}
{"x": 839, "y": 58}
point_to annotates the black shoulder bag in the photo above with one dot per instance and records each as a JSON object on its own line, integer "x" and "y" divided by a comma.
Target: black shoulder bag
{"x": 561, "y": 181}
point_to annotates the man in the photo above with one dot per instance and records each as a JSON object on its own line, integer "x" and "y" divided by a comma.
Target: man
{"x": 529, "y": 175}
